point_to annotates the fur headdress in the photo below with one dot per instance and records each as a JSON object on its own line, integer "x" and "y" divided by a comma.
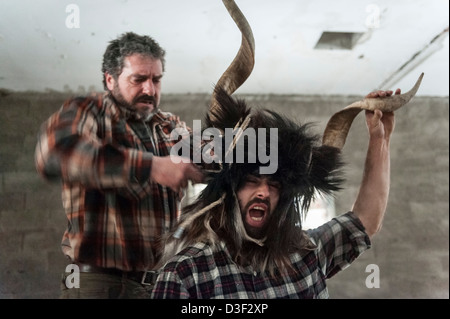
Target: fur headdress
{"x": 304, "y": 165}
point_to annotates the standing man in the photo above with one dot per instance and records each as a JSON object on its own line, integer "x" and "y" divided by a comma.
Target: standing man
{"x": 120, "y": 187}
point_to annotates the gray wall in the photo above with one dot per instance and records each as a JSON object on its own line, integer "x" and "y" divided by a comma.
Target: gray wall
{"x": 411, "y": 251}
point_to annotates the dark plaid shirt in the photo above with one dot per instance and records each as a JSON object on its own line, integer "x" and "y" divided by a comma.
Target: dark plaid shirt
{"x": 102, "y": 153}
{"x": 207, "y": 272}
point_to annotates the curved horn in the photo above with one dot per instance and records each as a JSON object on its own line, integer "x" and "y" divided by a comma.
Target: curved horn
{"x": 242, "y": 65}
{"x": 339, "y": 124}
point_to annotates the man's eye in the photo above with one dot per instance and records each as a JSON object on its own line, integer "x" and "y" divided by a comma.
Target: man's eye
{"x": 137, "y": 80}
{"x": 275, "y": 185}
{"x": 252, "y": 180}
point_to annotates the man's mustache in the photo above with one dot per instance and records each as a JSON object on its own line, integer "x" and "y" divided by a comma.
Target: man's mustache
{"x": 145, "y": 99}
{"x": 258, "y": 201}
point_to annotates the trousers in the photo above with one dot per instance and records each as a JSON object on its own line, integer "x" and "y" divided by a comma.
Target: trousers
{"x": 101, "y": 286}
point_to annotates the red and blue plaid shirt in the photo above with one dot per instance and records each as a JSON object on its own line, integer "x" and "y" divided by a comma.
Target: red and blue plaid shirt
{"x": 203, "y": 271}
{"x": 102, "y": 153}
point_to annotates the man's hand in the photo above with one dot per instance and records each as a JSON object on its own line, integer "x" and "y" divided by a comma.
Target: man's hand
{"x": 380, "y": 93}
{"x": 379, "y": 124}
{"x": 172, "y": 172}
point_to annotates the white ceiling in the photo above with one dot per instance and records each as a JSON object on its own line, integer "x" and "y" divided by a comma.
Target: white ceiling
{"x": 38, "y": 51}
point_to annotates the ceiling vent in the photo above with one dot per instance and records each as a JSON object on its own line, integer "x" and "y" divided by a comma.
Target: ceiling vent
{"x": 338, "y": 40}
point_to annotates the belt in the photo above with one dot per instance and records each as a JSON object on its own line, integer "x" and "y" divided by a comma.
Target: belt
{"x": 147, "y": 278}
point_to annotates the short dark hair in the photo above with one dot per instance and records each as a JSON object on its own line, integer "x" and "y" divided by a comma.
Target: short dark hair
{"x": 127, "y": 44}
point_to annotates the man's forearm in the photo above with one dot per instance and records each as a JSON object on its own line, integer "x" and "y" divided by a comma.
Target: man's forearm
{"x": 371, "y": 202}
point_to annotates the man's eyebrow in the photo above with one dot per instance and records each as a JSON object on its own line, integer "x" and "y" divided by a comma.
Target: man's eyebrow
{"x": 137, "y": 75}
{"x": 145, "y": 76}
{"x": 255, "y": 177}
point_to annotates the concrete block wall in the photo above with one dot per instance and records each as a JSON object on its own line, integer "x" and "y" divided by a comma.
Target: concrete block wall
{"x": 411, "y": 251}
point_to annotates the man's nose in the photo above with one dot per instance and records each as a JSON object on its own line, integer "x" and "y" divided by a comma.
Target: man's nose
{"x": 148, "y": 88}
{"x": 263, "y": 190}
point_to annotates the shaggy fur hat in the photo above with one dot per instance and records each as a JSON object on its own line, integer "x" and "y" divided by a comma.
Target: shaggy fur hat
{"x": 304, "y": 167}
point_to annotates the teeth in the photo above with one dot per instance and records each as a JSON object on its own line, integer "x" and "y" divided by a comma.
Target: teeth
{"x": 259, "y": 216}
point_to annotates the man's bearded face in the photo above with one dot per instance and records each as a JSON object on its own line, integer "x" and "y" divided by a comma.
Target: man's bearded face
{"x": 258, "y": 197}
{"x": 138, "y": 87}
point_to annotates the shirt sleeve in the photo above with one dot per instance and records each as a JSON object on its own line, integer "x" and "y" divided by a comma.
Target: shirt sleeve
{"x": 339, "y": 242}
{"x": 69, "y": 148}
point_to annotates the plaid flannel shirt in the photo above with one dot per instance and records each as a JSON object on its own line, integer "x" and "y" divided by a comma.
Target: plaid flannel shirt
{"x": 208, "y": 272}
{"x": 102, "y": 153}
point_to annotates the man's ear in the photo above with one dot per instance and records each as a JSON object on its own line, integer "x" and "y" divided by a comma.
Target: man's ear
{"x": 110, "y": 81}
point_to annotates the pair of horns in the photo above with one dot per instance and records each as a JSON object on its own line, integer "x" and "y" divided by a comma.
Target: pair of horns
{"x": 338, "y": 126}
